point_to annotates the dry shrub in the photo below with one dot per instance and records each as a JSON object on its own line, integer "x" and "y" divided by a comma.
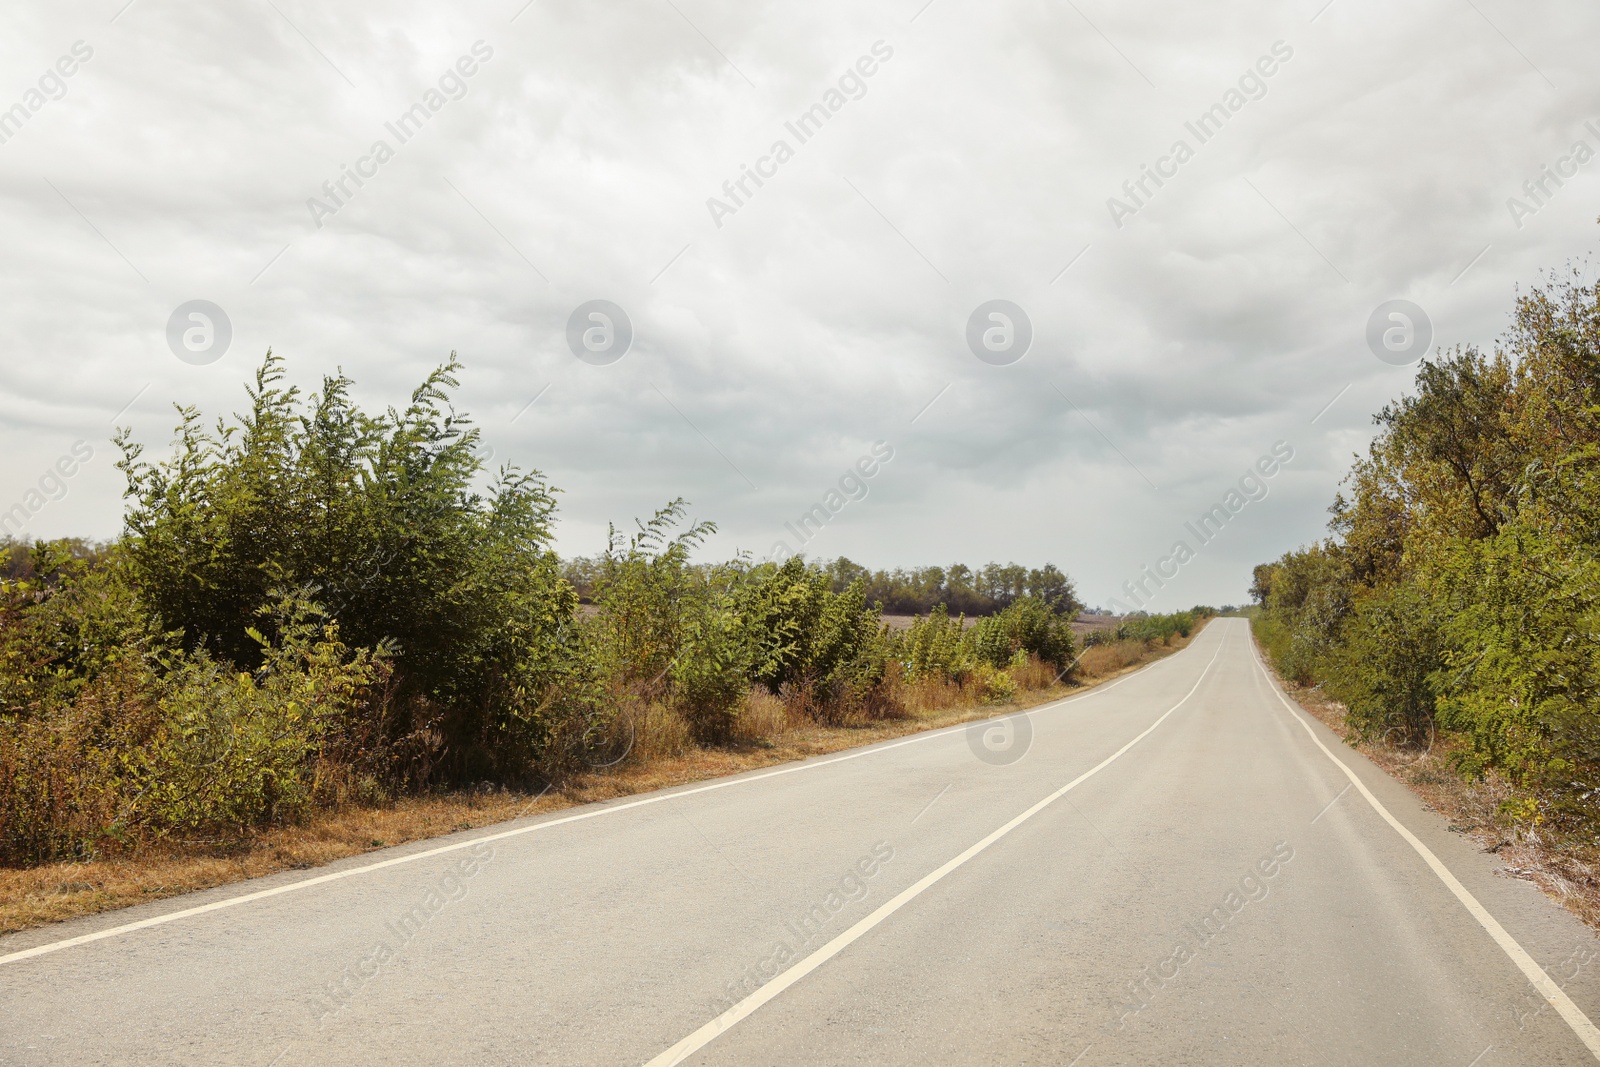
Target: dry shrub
{"x": 763, "y": 716}
{"x": 928, "y": 695}
{"x": 658, "y": 732}
{"x": 797, "y": 702}
{"x": 881, "y": 701}
{"x": 844, "y": 704}
{"x": 1034, "y": 674}
{"x": 61, "y": 793}
{"x": 642, "y": 729}
{"x": 198, "y": 749}
{"x": 1109, "y": 658}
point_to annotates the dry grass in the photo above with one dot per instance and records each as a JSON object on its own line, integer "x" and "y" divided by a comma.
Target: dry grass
{"x": 763, "y": 718}
{"x": 654, "y": 733}
{"x": 1035, "y": 674}
{"x": 1100, "y": 660}
{"x": 661, "y": 755}
{"x": 1567, "y": 870}
{"x": 37, "y": 895}
{"x": 930, "y": 696}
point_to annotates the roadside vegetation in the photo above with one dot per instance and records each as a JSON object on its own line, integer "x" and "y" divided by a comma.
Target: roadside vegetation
{"x": 312, "y": 611}
{"x": 1454, "y": 612}
{"x": 1107, "y": 651}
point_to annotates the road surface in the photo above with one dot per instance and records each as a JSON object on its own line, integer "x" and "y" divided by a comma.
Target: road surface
{"x": 1170, "y": 869}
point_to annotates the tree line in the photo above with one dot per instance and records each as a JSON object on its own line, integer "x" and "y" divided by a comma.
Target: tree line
{"x": 1456, "y": 601}
{"x": 986, "y": 590}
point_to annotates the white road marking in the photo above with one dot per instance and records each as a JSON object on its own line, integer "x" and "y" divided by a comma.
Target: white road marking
{"x": 1330, "y": 804}
{"x": 931, "y": 803}
{"x": 728, "y": 1019}
{"x": 456, "y": 846}
{"x": 1581, "y": 1026}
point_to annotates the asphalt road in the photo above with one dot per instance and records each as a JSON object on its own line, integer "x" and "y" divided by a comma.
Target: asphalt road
{"x": 1170, "y": 869}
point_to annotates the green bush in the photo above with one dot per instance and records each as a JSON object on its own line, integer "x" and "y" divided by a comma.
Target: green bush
{"x": 1027, "y": 626}
{"x": 1520, "y": 676}
{"x": 805, "y": 637}
{"x": 311, "y": 604}
{"x": 377, "y": 517}
{"x": 1384, "y": 671}
{"x": 1153, "y": 628}
{"x": 1461, "y": 586}
{"x": 931, "y": 647}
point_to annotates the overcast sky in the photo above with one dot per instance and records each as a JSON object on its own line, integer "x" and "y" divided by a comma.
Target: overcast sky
{"x": 1175, "y": 338}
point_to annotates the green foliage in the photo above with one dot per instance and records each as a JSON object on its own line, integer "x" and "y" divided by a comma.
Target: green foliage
{"x": 1027, "y": 626}
{"x": 996, "y": 685}
{"x": 782, "y": 608}
{"x": 235, "y": 749}
{"x": 668, "y": 628}
{"x": 311, "y": 604}
{"x": 376, "y": 515}
{"x": 647, "y": 592}
{"x": 1461, "y": 588}
{"x": 1384, "y": 670}
{"x": 1151, "y": 628}
{"x": 931, "y": 647}
{"x": 709, "y": 676}
{"x": 984, "y": 656}
{"x": 984, "y": 591}
{"x": 1520, "y": 679}
{"x": 803, "y": 635}
{"x": 68, "y": 620}
{"x": 1307, "y": 596}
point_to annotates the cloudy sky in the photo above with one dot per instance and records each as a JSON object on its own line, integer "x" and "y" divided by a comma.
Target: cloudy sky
{"x": 777, "y": 334}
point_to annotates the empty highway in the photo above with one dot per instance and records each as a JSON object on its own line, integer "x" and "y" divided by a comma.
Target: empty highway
{"x": 1175, "y": 868}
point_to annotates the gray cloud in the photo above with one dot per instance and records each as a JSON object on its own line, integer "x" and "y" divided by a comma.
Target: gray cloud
{"x": 829, "y": 310}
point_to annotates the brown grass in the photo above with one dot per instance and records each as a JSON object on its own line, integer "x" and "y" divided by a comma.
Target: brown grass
{"x": 1111, "y": 657}
{"x": 661, "y": 755}
{"x": 37, "y": 895}
{"x": 1035, "y": 674}
{"x": 1567, "y": 870}
{"x": 763, "y": 718}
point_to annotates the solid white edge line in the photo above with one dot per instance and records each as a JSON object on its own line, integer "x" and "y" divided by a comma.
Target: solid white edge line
{"x": 1581, "y": 1026}
{"x": 728, "y": 1019}
{"x": 592, "y": 813}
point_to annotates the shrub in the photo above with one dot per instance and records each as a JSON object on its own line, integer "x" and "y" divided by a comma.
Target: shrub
{"x": 805, "y": 636}
{"x": 377, "y": 517}
{"x": 180, "y": 743}
{"x": 310, "y": 604}
{"x": 992, "y": 686}
{"x": 931, "y": 647}
{"x": 1382, "y": 671}
{"x": 1458, "y": 587}
{"x": 1028, "y": 627}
